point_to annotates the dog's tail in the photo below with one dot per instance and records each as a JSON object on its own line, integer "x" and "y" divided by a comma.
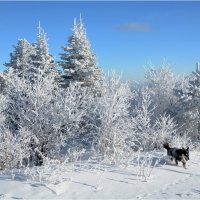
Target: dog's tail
{"x": 166, "y": 145}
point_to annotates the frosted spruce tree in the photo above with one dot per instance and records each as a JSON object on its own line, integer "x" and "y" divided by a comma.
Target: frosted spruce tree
{"x": 26, "y": 97}
{"x": 31, "y": 63}
{"x": 21, "y": 66}
{"x": 21, "y": 58}
{"x": 43, "y": 61}
{"x": 78, "y": 61}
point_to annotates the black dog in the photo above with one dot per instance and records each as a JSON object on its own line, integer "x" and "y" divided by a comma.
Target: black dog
{"x": 177, "y": 154}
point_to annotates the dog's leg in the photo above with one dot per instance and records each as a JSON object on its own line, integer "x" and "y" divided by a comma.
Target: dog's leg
{"x": 184, "y": 165}
{"x": 171, "y": 159}
{"x": 176, "y": 161}
{"x": 183, "y": 161}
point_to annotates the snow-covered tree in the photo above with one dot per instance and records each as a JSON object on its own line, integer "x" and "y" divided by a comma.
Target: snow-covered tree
{"x": 115, "y": 132}
{"x": 150, "y": 132}
{"x": 50, "y": 114}
{"x": 188, "y": 112}
{"x": 2, "y": 108}
{"x": 31, "y": 60}
{"x": 165, "y": 130}
{"x": 2, "y": 83}
{"x": 142, "y": 118}
{"x": 78, "y": 61}
{"x": 43, "y": 61}
{"x": 21, "y": 58}
{"x": 161, "y": 82}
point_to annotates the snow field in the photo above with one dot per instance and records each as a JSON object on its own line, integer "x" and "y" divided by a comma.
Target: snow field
{"x": 95, "y": 181}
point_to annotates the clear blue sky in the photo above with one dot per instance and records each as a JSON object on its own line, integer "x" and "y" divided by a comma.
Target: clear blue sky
{"x": 124, "y": 35}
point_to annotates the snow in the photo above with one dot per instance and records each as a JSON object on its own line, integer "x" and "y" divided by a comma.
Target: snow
{"x": 89, "y": 180}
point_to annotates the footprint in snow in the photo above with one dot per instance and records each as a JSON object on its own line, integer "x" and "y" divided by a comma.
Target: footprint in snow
{"x": 179, "y": 194}
{"x": 4, "y": 196}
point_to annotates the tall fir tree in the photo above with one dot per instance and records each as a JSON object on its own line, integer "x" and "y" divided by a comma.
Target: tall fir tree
{"x": 79, "y": 62}
{"x": 21, "y": 59}
{"x": 43, "y": 61}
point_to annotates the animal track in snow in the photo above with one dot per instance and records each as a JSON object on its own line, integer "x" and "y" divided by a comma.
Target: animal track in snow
{"x": 163, "y": 190}
{"x": 4, "y": 196}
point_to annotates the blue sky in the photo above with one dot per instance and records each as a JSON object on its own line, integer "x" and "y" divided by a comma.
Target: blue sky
{"x": 124, "y": 35}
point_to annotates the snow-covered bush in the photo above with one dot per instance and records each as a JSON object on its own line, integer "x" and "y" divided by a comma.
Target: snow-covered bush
{"x": 2, "y": 108}
{"x": 161, "y": 83}
{"x": 114, "y": 133}
{"x": 165, "y": 130}
{"x": 189, "y": 107}
{"x": 52, "y": 171}
{"x": 150, "y": 132}
{"x": 141, "y": 121}
{"x": 182, "y": 140}
{"x": 72, "y": 152}
{"x": 13, "y": 148}
{"x": 145, "y": 162}
{"x": 49, "y": 113}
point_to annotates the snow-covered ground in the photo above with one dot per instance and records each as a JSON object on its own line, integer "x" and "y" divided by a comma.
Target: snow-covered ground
{"x": 94, "y": 181}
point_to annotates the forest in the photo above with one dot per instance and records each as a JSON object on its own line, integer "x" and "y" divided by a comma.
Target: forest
{"x": 58, "y": 112}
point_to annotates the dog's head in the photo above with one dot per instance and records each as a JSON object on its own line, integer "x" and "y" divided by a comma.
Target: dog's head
{"x": 185, "y": 153}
